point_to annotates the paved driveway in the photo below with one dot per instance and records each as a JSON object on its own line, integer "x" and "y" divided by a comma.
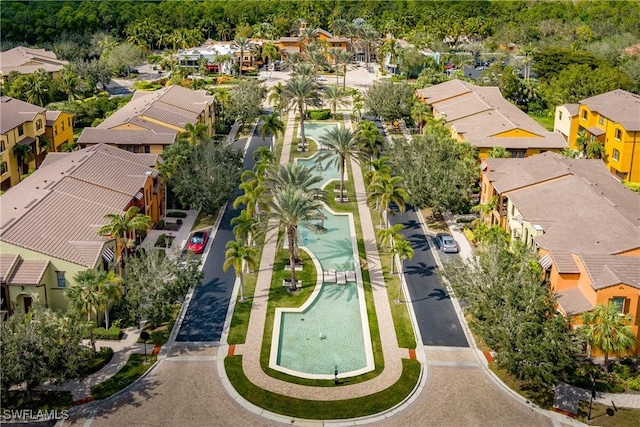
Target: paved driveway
{"x": 437, "y": 319}
{"x": 206, "y": 313}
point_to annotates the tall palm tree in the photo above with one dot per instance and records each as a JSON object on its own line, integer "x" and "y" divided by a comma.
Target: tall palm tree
{"x": 110, "y": 290}
{"x": 388, "y": 236}
{"x": 527, "y": 52}
{"x": 22, "y": 153}
{"x": 336, "y": 97}
{"x": 269, "y": 52}
{"x": 85, "y": 297}
{"x": 334, "y": 52}
{"x": 195, "y": 134}
{"x": 253, "y": 191}
{"x": 340, "y": 141}
{"x": 68, "y": 82}
{"x": 393, "y": 49}
{"x": 276, "y": 98}
{"x": 39, "y": 91}
{"x": 596, "y": 150}
{"x": 420, "y": 113}
{"x": 123, "y": 228}
{"x": 352, "y": 32}
{"x": 271, "y": 125}
{"x": 302, "y": 92}
{"x": 291, "y": 175}
{"x": 403, "y": 250}
{"x": 499, "y": 153}
{"x": 294, "y": 207}
{"x": 236, "y": 255}
{"x": 377, "y": 167}
{"x": 385, "y": 190}
{"x": 292, "y": 60}
{"x": 339, "y": 27}
{"x": 344, "y": 59}
{"x": 607, "y": 330}
{"x": 244, "y": 227}
{"x": 242, "y": 44}
{"x": 369, "y": 139}
{"x": 264, "y": 154}
{"x": 370, "y": 37}
{"x": 582, "y": 141}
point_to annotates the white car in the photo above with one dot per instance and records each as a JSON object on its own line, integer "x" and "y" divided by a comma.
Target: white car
{"x": 321, "y": 79}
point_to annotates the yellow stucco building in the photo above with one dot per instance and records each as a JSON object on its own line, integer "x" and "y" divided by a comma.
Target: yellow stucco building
{"x": 59, "y": 129}
{"x": 613, "y": 119}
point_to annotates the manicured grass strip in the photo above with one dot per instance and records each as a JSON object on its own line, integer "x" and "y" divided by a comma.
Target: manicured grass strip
{"x": 41, "y": 400}
{"x": 131, "y": 371}
{"x": 160, "y": 334}
{"x": 323, "y": 410}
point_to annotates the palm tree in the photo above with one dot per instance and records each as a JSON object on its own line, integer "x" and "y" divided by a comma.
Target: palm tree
{"x": 39, "y": 91}
{"x": 253, "y": 191}
{"x": 336, "y": 97}
{"x": 341, "y": 141}
{"x": 276, "y": 98}
{"x": 244, "y": 227}
{"x": 528, "y": 51}
{"x": 334, "y": 52}
{"x": 291, "y": 175}
{"x": 307, "y": 35}
{"x": 339, "y": 27}
{"x": 595, "y": 150}
{"x": 294, "y": 207}
{"x": 302, "y": 92}
{"x": 123, "y": 228}
{"x": 582, "y": 141}
{"x": 607, "y": 330}
{"x": 393, "y": 49}
{"x": 292, "y": 60}
{"x": 271, "y": 125}
{"x": 403, "y": 250}
{"x": 385, "y": 190}
{"x": 243, "y": 44}
{"x": 269, "y": 52}
{"x": 352, "y": 31}
{"x": 420, "y": 113}
{"x": 237, "y": 255}
{"x": 68, "y": 83}
{"x": 344, "y": 58}
{"x": 388, "y": 236}
{"x": 85, "y": 297}
{"x": 22, "y": 152}
{"x": 369, "y": 37}
{"x": 195, "y": 134}
{"x": 264, "y": 154}
{"x": 369, "y": 138}
{"x": 376, "y": 168}
{"x": 110, "y": 290}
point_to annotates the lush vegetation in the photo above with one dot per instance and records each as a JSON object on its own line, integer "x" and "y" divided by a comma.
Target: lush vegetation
{"x": 135, "y": 367}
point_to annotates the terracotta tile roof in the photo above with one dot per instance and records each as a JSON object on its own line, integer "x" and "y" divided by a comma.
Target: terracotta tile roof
{"x": 564, "y": 261}
{"x": 52, "y": 116}
{"x": 27, "y": 61}
{"x": 8, "y": 263}
{"x": 149, "y": 125}
{"x": 174, "y": 105}
{"x": 610, "y": 270}
{"x": 583, "y": 220}
{"x": 16, "y": 112}
{"x": 58, "y": 209}
{"x": 125, "y": 136}
{"x": 28, "y": 272}
{"x": 618, "y": 106}
{"x": 572, "y": 302}
{"x": 546, "y": 141}
{"x": 509, "y": 174}
{"x": 443, "y": 91}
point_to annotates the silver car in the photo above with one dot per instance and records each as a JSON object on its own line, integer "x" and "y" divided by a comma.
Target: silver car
{"x": 446, "y": 243}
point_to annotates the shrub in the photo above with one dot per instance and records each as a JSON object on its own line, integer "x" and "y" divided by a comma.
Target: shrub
{"x": 113, "y": 333}
{"x": 160, "y": 225}
{"x": 160, "y": 242}
{"x": 176, "y": 215}
{"x": 323, "y": 114}
{"x": 153, "y": 59}
{"x": 634, "y": 383}
{"x": 100, "y": 360}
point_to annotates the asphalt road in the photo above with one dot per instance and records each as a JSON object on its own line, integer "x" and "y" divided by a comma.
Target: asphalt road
{"x": 205, "y": 316}
{"x": 437, "y": 319}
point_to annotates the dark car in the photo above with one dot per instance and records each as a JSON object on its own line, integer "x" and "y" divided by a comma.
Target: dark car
{"x": 198, "y": 242}
{"x": 446, "y": 243}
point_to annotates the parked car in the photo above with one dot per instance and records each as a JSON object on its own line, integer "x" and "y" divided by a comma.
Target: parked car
{"x": 198, "y": 242}
{"x": 321, "y": 79}
{"x": 446, "y": 243}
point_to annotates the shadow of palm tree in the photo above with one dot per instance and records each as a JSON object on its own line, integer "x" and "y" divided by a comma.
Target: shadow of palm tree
{"x": 419, "y": 241}
{"x": 421, "y": 269}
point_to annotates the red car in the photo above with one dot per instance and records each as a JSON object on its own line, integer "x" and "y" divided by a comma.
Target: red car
{"x": 197, "y": 242}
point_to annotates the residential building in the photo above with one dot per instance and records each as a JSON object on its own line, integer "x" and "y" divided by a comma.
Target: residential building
{"x": 565, "y": 120}
{"x": 482, "y": 117}
{"x": 584, "y": 223}
{"x": 294, "y": 43}
{"x": 49, "y": 222}
{"x": 219, "y": 56}
{"x": 59, "y": 129}
{"x": 133, "y": 140}
{"x": 22, "y": 124}
{"x": 25, "y": 60}
{"x": 167, "y": 110}
{"x": 613, "y": 119}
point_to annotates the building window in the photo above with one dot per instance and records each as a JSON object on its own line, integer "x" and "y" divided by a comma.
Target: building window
{"x": 621, "y": 303}
{"x": 3, "y": 168}
{"x": 584, "y": 115}
{"x": 147, "y": 149}
{"x": 62, "y": 123}
{"x": 2, "y": 147}
{"x": 559, "y": 115}
{"x": 69, "y": 121}
{"x": 55, "y": 130}
{"x": 20, "y": 130}
{"x": 601, "y": 120}
{"x": 618, "y": 134}
{"x": 519, "y": 154}
{"x": 616, "y": 155}
{"x": 62, "y": 282}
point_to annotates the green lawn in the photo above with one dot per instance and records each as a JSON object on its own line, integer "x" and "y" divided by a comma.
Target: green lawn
{"x": 546, "y": 121}
{"x": 131, "y": 371}
{"x": 323, "y": 410}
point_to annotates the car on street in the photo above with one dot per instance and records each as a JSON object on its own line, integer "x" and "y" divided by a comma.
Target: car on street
{"x": 197, "y": 242}
{"x": 321, "y": 79}
{"x": 446, "y": 243}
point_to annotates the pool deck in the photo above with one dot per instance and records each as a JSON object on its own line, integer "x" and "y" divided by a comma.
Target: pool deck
{"x": 392, "y": 354}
